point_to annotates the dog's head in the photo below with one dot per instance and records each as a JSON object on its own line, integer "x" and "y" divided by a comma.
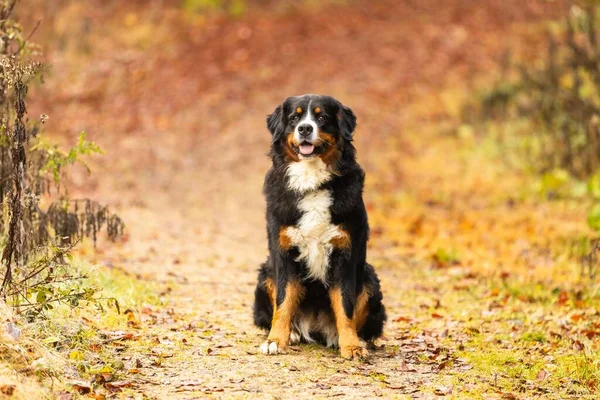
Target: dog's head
{"x": 311, "y": 126}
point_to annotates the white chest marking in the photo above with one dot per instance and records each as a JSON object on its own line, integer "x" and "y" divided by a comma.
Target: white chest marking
{"x": 314, "y": 232}
{"x": 307, "y": 174}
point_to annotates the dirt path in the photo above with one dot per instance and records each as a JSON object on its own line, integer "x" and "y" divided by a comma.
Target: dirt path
{"x": 208, "y": 246}
{"x": 187, "y": 160}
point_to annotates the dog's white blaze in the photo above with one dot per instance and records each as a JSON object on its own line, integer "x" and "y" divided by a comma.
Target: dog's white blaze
{"x": 307, "y": 174}
{"x": 314, "y": 232}
{"x": 307, "y": 120}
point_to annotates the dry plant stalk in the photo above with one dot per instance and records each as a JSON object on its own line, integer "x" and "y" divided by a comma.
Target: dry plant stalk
{"x": 35, "y": 242}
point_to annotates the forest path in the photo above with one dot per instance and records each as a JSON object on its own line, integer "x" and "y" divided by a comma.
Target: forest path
{"x": 207, "y": 246}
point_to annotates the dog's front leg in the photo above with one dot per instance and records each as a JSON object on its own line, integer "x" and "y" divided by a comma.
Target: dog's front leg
{"x": 289, "y": 294}
{"x": 349, "y": 309}
{"x": 347, "y": 313}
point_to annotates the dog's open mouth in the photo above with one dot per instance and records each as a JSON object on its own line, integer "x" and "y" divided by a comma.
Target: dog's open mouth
{"x": 306, "y": 148}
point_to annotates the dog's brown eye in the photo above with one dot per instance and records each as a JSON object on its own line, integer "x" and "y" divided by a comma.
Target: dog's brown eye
{"x": 295, "y": 118}
{"x": 322, "y": 118}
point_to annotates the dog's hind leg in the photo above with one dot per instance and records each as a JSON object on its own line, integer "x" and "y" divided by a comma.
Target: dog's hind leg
{"x": 372, "y": 326}
{"x": 264, "y": 298}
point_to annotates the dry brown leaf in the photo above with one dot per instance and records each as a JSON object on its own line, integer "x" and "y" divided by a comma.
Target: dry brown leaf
{"x": 577, "y": 317}
{"x": 190, "y": 383}
{"x": 7, "y": 389}
{"x": 64, "y": 396}
{"x": 563, "y": 297}
{"x": 81, "y": 387}
{"x": 132, "y": 320}
{"x": 118, "y": 385}
{"x": 443, "y": 390}
{"x": 542, "y": 375}
{"x": 121, "y": 335}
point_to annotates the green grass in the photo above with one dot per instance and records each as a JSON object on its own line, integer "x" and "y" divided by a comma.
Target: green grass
{"x": 71, "y": 342}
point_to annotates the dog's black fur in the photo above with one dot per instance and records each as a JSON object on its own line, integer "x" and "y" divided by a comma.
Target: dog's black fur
{"x": 348, "y": 269}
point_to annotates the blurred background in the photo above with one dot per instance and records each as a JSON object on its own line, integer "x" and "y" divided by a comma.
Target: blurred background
{"x": 177, "y": 91}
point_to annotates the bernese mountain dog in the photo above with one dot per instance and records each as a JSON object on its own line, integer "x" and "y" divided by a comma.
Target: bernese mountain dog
{"x": 316, "y": 285}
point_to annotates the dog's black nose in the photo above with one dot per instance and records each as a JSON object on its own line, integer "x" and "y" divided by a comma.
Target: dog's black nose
{"x": 305, "y": 130}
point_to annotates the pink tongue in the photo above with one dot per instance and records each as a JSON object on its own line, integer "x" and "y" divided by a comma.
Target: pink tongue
{"x": 306, "y": 149}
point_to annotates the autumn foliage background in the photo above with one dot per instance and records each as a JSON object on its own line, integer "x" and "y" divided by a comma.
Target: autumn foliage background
{"x": 486, "y": 253}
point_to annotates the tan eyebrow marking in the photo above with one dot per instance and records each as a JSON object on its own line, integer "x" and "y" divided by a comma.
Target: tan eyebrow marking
{"x": 317, "y": 110}
{"x": 299, "y": 110}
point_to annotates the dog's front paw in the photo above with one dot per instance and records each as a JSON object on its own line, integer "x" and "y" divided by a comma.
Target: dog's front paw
{"x": 354, "y": 352}
{"x": 273, "y": 347}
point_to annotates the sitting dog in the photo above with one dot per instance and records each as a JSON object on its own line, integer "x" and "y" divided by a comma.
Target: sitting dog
{"x": 316, "y": 285}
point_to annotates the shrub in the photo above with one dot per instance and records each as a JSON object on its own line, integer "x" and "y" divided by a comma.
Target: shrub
{"x": 558, "y": 99}
{"x": 551, "y": 110}
{"x": 35, "y": 243}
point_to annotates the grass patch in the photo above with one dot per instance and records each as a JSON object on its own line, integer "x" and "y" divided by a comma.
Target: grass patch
{"x": 81, "y": 344}
{"x": 539, "y": 337}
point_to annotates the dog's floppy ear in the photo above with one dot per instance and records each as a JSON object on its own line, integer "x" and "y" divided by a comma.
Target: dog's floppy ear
{"x": 277, "y": 121}
{"x": 347, "y": 122}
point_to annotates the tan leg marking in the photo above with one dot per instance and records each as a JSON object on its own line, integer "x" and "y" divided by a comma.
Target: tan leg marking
{"x": 285, "y": 242}
{"x": 270, "y": 285}
{"x": 342, "y": 240}
{"x": 361, "y": 311}
{"x": 279, "y": 336}
{"x": 350, "y": 346}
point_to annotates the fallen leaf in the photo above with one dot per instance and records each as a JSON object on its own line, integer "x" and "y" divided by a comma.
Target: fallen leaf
{"x": 7, "y": 390}
{"x": 81, "y": 387}
{"x": 444, "y": 364}
{"x": 401, "y": 387}
{"x": 189, "y": 383}
{"x": 404, "y": 367}
{"x": 118, "y": 385}
{"x": 542, "y": 375}
{"x": 443, "y": 390}
{"x": 12, "y": 330}
{"x": 146, "y": 310}
{"x": 120, "y": 335}
{"x": 563, "y": 297}
{"x": 132, "y": 320}
{"x": 64, "y": 396}
{"x": 577, "y": 317}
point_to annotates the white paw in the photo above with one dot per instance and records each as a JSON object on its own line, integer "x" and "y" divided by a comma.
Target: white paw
{"x": 295, "y": 338}
{"x": 270, "y": 347}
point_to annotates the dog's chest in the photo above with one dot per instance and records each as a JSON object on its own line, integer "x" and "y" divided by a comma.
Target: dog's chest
{"x": 314, "y": 232}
